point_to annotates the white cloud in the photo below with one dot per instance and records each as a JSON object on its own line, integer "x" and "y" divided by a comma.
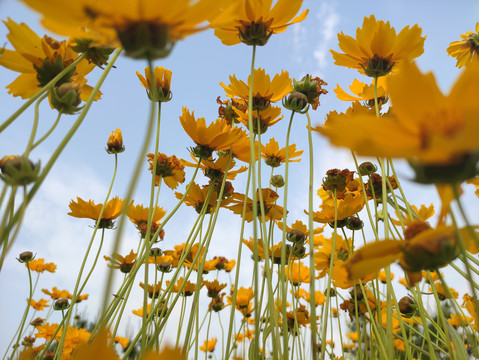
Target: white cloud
{"x": 328, "y": 19}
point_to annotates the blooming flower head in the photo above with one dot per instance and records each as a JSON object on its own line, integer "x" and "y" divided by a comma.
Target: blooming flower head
{"x": 243, "y": 297}
{"x": 168, "y": 168}
{"x": 214, "y": 287}
{"x": 216, "y": 136}
{"x": 363, "y": 92}
{"x": 209, "y": 345}
{"x": 56, "y": 293}
{"x": 215, "y": 169}
{"x": 82, "y": 209}
{"x": 40, "y": 266}
{"x": 324, "y": 251}
{"x": 271, "y": 210}
{"x": 265, "y": 90}
{"x": 274, "y": 156}
{"x": 39, "y": 60}
{"x": 183, "y": 286}
{"x": 262, "y": 119}
{"x": 160, "y": 91}
{"x": 138, "y": 215}
{"x": 198, "y": 196}
{"x": 253, "y": 22}
{"x": 464, "y": 50}
{"x": 297, "y": 273}
{"x": 38, "y": 305}
{"x": 377, "y": 47}
{"x": 125, "y": 264}
{"x": 145, "y": 29}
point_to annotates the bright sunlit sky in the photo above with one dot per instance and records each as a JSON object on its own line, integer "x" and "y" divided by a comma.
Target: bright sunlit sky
{"x": 199, "y": 64}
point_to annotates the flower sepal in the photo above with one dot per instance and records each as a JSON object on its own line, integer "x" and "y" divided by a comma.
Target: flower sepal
{"x": 66, "y": 98}
{"x": 297, "y": 102}
{"x": 378, "y": 67}
{"x": 18, "y": 170}
{"x": 256, "y": 33}
{"x": 97, "y": 55}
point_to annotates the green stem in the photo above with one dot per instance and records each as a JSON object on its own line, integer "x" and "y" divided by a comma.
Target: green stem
{"x": 47, "y": 134}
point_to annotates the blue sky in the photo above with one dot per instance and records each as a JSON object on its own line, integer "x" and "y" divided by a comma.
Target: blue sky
{"x": 199, "y": 64}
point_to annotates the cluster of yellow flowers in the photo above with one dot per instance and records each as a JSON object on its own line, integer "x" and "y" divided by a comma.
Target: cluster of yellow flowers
{"x": 289, "y": 308}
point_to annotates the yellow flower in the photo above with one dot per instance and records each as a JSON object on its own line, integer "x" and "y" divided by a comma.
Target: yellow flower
{"x": 161, "y": 81}
{"x": 274, "y": 156}
{"x": 265, "y": 90}
{"x": 271, "y": 210}
{"x": 297, "y": 273}
{"x": 115, "y": 143}
{"x": 464, "y": 50}
{"x": 319, "y": 297}
{"x": 57, "y": 293}
{"x": 169, "y": 168}
{"x": 209, "y": 345}
{"x": 266, "y": 118}
{"x": 88, "y": 210}
{"x": 377, "y": 47}
{"x": 217, "y": 136}
{"x": 363, "y": 92}
{"x": 145, "y": 29}
{"x": 351, "y": 204}
{"x": 138, "y": 215}
{"x": 475, "y": 182}
{"x": 214, "y": 287}
{"x": 39, "y": 265}
{"x": 188, "y": 287}
{"x": 125, "y": 264}
{"x": 444, "y": 293}
{"x": 99, "y": 348}
{"x": 39, "y": 305}
{"x": 39, "y": 60}
{"x": 434, "y": 136}
{"x": 253, "y": 22}
{"x": 168, "y": 353}
{"x": 215, "y": 169}
{"x": 422, "y": 214}
{"x": 250, "y": 244}
{"x": 123, "y": 341}
{"x": 197, "y": 197}
{"x": 243, "y": 297}
{"x": 457, "y": 320}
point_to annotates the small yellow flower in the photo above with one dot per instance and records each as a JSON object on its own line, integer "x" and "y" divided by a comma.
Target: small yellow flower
{"x": 377, "y": 47}
{"x": 160, "y": 91}
{"x": 265, "y": 90}
{"x": 115, "y": 143}
{"x": 209, "y": 345}
{"x": 297, "y": 273}
{"x": 38, "y": 305}
{"x": 271, "y": 210}
{"x": 253, "y": 22}
{"x": 169, "y": 168}
{"x": 56, "y": 293}
{"x": 274, "y": 156}
{"x": 138, "y": 215}
{"x": 40, "y": 266}
{"x": 262, "y": 121}
{"x": 88, "y": 210}
{"x": 125, "y": 264}
{"x": 184, "y": 286}
{"x": 123, "y": 341}
{"x": 464, "y": 50}
{"x": 363, "y": 92}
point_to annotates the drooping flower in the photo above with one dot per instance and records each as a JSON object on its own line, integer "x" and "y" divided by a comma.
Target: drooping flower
{"x": 465, "y": 49}
{"x": 145, "y": 29}
{"x": 217, "y": 136}
{"x": 311, "y": 87}
{"x": 168, "y": 168}
{"x": 265, "y": 90}
{"x": 253, "y": 22}
{"x": 39, "y": 60}
{"x": 377, "y": 48}
{"x": 125, "y": 264}
{"x": 274, "y": 156}
{"x": 88, "y": 210}
{"x": 161, "y": 81}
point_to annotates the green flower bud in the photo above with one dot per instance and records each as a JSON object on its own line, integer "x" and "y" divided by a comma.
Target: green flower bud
{"x": 367, "y": 168}
{"x": 296, "y": 236}
{"x": 66, "y": 98}
{"x": 61, "y": 304}
{"x": 18, "y": 170}
{"x": 354, "y": 223}
{"x": 277, "y": 181}
{"x": 296, "y": 101}
{"x": 407, "y": 306}
{"x": 25, "y": 257}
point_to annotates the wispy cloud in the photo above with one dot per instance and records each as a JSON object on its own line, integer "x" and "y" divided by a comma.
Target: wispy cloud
{"x": 329, "y": 20}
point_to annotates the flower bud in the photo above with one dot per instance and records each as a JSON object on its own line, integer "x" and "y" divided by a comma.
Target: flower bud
{"x": 18, "y": 170}
{"x": 156, "y": 252}
{"x": 164, "y": 267}
{"x": 337, "y": 179}
{"x": 66, "y": 98}
{"x": 125, "y": 268}
{"x": 354, "y": 223}
{"x": 298, "y": 250}
{"x": 296, "y": 101}
{"x": 407, "y": 307}
{"x": 367, "y": 168}
{"x": 311, "y": 88}
{"x": 37, "y": 322}
{"x": 25, "y": 257}
{"x": 277, "y": 181}
{"x": 97, "y": 55}
{"x": 61, "y": 304}
{"x": 115, "y": 143}
{"x": 296, "y": 236}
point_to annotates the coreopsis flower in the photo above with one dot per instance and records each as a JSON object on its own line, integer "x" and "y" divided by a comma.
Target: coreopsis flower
{"x": 319, "y": 297}
{"x": 183, "y": 286}
{"x": 274, "y": 156}
{"x": 217, "y": 136}
{"x": 160, "y": 91}
{"x": 224, "y": 264}
{"x": 260, "y": 255}
{"x": 297, "y": 318}
{"x": 38, "y": 305}
{"x": 422, "y": 214}
{"x": 324, "y": 251}
{"x": 168, "y": 168}
{"x": 437, "y": 139}
{"x": 475, "y": 182}
{"x": 56, "y": 293}
{"x": 139, "y": 312}
{"x": 465, "y": 49}
{"x": 253, "y": 22}
{"x": 444, "y": 293}
{"x": 298, "y": 232}
{"x": 271, "y": 210}
{"x": 377, "y": 48}
{"x": 241, "y": 149}
{"x": 46, "y": 331}
{"x": 215, "y": 169}
{"x": 424, "y": 248}
{"x": 265, "y": 90}
{"x": 40, "y": 266}
{"x": 138, "y": 215}
{"x": 39, "y": 60}
{"x": 100, "y": 347}
{"x": 145, "y": 29}
{"x": 363, "y": 92}
{"x": 153, "y": 290}
{"x": 382, "y": 276}
{"x": 247, "y": 334}
{"x": 117, "y": 261}
{"x": 209, "y": 345}
{"x": 349, "y": 205}
{"x": 214, "y": 287}
{"x": 88, "y": 210}
{"x": 114, "y": 144}
{"x": 197, "y": 197}
{"x": 123, "y": 341}
{"x": 243, "y": 297}
{"x": 459, "y": 320}
{"x": 297, "y": 273}
{"x": 262, "y": 119}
